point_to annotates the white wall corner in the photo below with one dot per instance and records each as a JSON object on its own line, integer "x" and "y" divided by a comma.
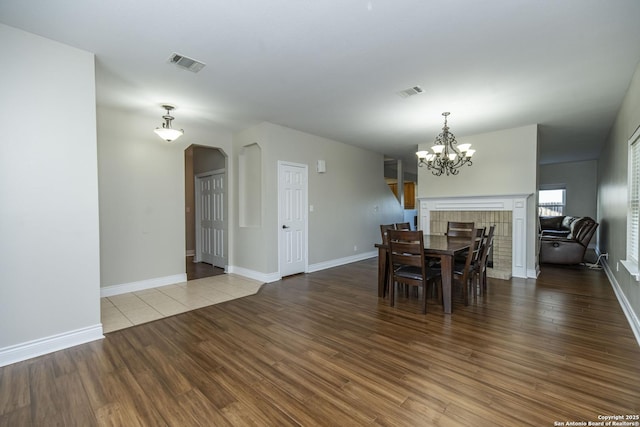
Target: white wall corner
{"x": 39, "y": 347}
{"x": 255, "y": 275}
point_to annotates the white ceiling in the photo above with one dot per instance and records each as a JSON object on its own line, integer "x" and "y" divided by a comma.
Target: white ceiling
{"x": 333, "y": 67}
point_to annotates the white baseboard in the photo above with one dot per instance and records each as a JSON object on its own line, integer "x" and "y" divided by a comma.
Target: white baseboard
{"x": 341, "y": 261}
{"x": 255, "y": 275}
{"x": 35, "y": 348}
{"x": 634, "y": 322}
{"x": 109, "y": 291}
{"x": 274, "y": 277}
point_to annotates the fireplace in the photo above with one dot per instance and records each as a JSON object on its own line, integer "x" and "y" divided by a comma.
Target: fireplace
{"x": 507, "y": 213}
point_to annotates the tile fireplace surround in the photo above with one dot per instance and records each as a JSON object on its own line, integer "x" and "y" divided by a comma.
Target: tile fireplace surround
{"x": 508, "y": 213}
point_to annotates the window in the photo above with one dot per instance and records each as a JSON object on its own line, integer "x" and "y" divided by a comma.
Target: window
{"x": 551, "y": 202}
{"x": 633, "y": 214}
{"x": 633, "y": 207}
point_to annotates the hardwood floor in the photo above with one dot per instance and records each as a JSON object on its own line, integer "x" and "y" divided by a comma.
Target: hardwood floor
{"x": 199, "y": 270}
{"x": 323, "y": 349}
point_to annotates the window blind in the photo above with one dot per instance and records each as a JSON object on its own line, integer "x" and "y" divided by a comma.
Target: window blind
{"x": 633, "y": 218}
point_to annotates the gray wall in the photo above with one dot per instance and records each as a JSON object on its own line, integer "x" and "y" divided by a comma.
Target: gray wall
{"x": 580, "y": 180}
{"x": 612, "y": 194}
{"x": 49, "y": 259}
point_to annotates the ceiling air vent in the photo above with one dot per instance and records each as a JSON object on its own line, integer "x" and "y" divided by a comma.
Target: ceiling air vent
{"x": 415, "y": 90}
{"x": 185, "y": 62}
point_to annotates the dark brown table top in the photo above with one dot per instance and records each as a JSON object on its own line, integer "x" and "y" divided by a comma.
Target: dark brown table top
{"x": 437, "y": 244}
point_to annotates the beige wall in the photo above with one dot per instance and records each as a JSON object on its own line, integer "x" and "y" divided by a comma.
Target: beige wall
{"x": 612, "y": 194}
{"x": 246, "y": 237}
{"x": 49, "y": 259}
{"x": 505, "y": 163}
{"x": 344, "y": 198}
{"x": 142, "y": 195}
{"x": 189, "y": 201}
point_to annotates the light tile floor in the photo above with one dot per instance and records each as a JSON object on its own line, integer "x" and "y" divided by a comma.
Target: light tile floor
{"x": 125, "y": 310}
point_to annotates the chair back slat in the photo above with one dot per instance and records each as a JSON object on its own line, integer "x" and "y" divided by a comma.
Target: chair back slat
{"x": 400, "y": 258}
{"x": 459, "y": 229}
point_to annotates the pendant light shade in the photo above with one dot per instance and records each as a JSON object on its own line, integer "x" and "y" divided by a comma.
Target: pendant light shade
{"x": 166, "y": 132}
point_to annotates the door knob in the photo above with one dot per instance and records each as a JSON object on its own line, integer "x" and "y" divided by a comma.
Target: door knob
{"x": 285, "y": 226}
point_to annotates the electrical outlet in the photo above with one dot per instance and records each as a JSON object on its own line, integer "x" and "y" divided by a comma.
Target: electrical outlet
{"x": 355, "y": 248}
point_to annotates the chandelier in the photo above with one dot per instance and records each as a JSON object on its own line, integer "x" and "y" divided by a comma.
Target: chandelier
{"x": 447, "y": 156}
{"x": 166, "y": 132}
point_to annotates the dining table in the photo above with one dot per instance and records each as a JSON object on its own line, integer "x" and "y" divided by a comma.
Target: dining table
{"x": 435, "y": 246}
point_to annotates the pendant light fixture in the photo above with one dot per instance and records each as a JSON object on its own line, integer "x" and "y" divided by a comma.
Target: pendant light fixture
{"x": 447, "y": 156}
{"x": 166, "y": 132}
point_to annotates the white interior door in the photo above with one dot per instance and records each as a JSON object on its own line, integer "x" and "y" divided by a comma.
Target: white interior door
{"x": 292, "y": 213}
{"x": 218, "y": 220}
{"x": 210, "y": 219}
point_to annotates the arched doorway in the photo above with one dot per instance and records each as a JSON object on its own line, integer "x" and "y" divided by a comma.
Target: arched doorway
{"x": 206, "y": 167}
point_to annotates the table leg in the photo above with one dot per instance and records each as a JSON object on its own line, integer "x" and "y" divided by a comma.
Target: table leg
{"x": 446, "y": 266}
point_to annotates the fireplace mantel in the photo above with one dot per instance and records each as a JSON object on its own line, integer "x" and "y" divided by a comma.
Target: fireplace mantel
{"x": 516, "y": 203}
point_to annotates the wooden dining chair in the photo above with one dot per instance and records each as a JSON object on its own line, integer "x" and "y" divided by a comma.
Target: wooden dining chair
{"x": 383, "y": 231}
{"x": 463, "y": 272}
{"x": 459, "y": 229}
{"x": 408, "y": 264}
{"x": 403, "y": 226}
{"x": 384, "y": 228}
{"x": 480, "y": 267}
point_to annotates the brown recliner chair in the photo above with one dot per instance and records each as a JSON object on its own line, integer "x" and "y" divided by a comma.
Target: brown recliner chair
{"x": 565, "y": 240}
